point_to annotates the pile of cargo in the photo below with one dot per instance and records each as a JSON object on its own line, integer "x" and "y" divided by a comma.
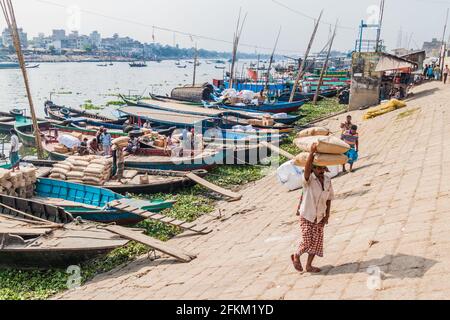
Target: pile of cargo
{"x": 384, "y": 108}
{"x": 19, "y": 183}
{"x": 92, "y": 170}
{"x": 68, "y": 143}
{"x": 330, "y": 150}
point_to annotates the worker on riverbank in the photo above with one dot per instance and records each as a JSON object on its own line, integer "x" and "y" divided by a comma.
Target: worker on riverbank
{"x": 14, "y": 152}
{"x": 314, "y": 212}
{"x": 106, "y": 142}
{"x": 351, "y": 137}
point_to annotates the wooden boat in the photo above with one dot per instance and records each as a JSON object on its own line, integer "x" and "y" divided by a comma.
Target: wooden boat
{"x": 122, "y": 130}
{"x": 62, "y": 113}
{"x": 153, "y": 159}
{"x": 7, "y": 122}
{"x": 25, "y": 130}
{"x": 274, "y": 107}
{"x": 27, "y": 243}
{"x": 220, "y": 67}
{"x": 285, "y": 96}
{"x": 137, "y": 64}
{"x": 92, "y": 203}
{"x": 155, "y": 110}
{"x": 159, "y": 181}
{"x": 245, "y": 114}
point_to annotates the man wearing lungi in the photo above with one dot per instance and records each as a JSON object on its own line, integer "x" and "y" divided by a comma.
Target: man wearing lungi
{"x": 314, "y": 211}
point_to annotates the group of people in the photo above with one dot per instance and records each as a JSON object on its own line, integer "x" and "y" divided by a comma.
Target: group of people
{"x": 433, "y": 72}
{"x": 315, "y": 203}
{"x": 99, "y": 145}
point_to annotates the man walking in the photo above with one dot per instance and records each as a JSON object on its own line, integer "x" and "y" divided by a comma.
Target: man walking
{"x": 314, "y": 213}
{"x": 446, "y": 71}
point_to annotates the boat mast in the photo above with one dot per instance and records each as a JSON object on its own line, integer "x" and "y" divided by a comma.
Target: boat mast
{"x": 195, "y": 65}
{"x": 266, "y": 87}
{"x": 301, "y": 70}
{"x": 325, "y": 66}
{"x": 237, "y": 36}
{"x": 10, "y": 17}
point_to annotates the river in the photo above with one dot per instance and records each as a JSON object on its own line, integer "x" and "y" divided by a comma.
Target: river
{"x": 72, "y": 84}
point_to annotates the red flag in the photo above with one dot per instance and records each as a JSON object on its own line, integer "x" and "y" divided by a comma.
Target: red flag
{"x": 252, "y": 74}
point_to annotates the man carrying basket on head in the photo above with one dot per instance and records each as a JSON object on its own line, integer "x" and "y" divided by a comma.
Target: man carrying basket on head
{"x": 314, "y": 212}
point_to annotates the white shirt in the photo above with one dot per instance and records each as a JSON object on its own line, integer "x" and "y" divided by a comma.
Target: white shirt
{"x": 14, "y": 143}
{"x": 314, "y": 203}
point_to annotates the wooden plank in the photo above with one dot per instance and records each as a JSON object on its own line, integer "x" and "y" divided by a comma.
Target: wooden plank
{"x": 178, "y": 254}
{"x": 24, "y": 231}
{"x": 278, "y": 150}
{"x": 233, "y": 195}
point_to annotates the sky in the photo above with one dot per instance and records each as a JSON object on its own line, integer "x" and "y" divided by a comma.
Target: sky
{"x": 217, "y": 19}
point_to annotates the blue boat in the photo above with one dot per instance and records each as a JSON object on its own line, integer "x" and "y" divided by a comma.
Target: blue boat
{"x": 92, "y": 203}
{"x": 256, "y": 87}
{"x": 275, "y": 107}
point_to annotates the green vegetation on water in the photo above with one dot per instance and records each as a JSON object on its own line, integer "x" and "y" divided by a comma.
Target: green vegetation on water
{"x": 191, "y": 204}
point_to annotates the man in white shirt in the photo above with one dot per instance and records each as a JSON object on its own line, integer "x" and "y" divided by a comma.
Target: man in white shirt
{"x": 14, "y": 152}
{"x": 314, "y": 212}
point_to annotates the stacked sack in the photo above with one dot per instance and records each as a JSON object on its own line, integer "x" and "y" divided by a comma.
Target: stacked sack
{"x": 20, "y": 183}
{"x": 98, "y": 171}
{"x": 93, "y": 170}
{"x": 390, "y": 106}
{"x": 330, "y": 150}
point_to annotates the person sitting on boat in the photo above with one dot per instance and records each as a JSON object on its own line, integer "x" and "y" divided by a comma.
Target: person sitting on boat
{"x": 147, "y": 125}
{"x": 133, "y": 145}
{"x": 14, "y": 152}
{"x": 83, "y": 148}
{"x": 94, "y": 146}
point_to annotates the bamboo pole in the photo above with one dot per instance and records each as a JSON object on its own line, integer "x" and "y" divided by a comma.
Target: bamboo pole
{"x": 301, "y": 70}
{"x": 195, "y": 65}
{"x": 325, "y": 66}
{"x": 443, "y": 47}
{"x": 237, "y": 37}
{"x": 266, "y": 87}
{"x": 8, "y": 12}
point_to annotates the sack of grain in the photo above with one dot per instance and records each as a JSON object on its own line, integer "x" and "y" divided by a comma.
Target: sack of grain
{"x": 28, "y": 172}
{"x": 59, "y": 148}
{"x": 129, "y": 174}
{"x": 57, "y": 176}
{"x": 121, "y": 142}
{"x": 94, "y": 170}
{"x": 63, "y": 165}
{"x": 329, "y": 144}
{"x": 93, "y": 180}
{"x": 75, "y": 175}
{"x": 75, "y": 181}
{"x": 60, "y": 171}
{"x": 143, "y": 179}
{"x": 321, "y": 159}
{"x": 77, "y": 135}
{"x": 4, "y": 174}
{"x": 315, "y": 131}
{"x": 103, "y": 161}
{"x": 7, "y": 185}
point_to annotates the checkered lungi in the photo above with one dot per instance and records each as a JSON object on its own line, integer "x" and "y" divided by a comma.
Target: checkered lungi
{"x": 312, "y": 238}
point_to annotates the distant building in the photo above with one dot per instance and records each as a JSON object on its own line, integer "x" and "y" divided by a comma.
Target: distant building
{"x": 7, "y": 39}
{"x": 58, "y": 35}
{"x": 432, "y": 48}
{"x": 95, "y": 39}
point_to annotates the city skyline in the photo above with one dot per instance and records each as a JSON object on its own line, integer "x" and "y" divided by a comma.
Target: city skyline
{"x": 138, "y": 17}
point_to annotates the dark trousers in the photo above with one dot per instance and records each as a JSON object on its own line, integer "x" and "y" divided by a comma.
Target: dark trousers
{"x": 445, "y": 77}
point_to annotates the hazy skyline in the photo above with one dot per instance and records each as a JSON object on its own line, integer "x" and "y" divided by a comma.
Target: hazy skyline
{"x": 216, "y": 19}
